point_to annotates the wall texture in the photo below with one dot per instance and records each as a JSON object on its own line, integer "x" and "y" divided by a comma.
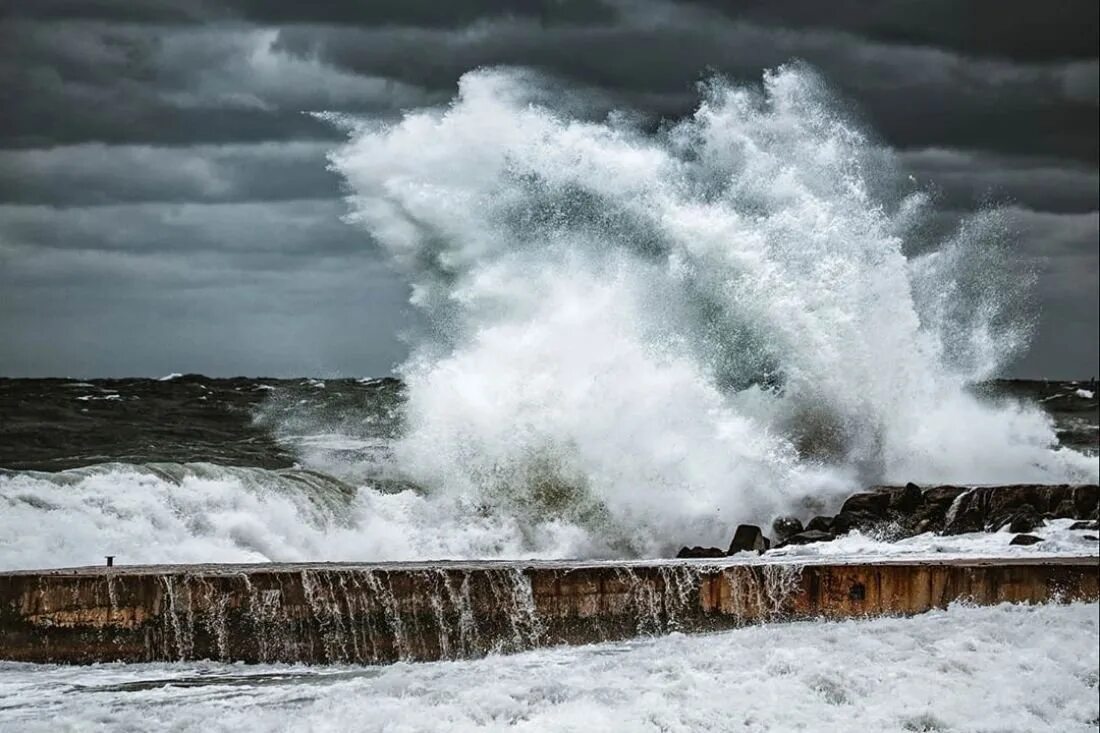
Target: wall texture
{"x": 322, "y": 613}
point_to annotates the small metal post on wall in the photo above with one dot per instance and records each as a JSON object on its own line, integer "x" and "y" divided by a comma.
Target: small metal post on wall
{"x": 110, "y": 561}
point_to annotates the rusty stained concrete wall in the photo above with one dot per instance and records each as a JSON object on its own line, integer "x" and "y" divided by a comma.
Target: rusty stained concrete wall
{"x": 382, "y": 613}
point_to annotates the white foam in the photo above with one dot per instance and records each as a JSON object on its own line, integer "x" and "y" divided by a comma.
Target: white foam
{"x": 1007, "y": 669}
{"x": 609, "y": 306}
{"x": 196, "y": 513}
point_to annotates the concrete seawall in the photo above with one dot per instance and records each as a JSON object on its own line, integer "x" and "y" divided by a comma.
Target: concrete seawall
{"x": 323, "y": 613}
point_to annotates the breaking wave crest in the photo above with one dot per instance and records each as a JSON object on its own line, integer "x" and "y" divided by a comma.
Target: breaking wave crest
{"x": 651, "y": 336}
{"x": 200, "y": 512}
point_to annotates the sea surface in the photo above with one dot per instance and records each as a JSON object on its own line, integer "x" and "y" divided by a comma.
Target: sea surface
{"x": 196, "y": 469}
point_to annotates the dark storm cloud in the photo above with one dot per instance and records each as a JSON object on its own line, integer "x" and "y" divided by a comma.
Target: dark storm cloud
{"x": 95, "y": 173}
{"x": 78, "y": 82}
{"x": 310, "y": 228}
{"x": 966, "y": 179}
{"x": 156, "y": 156}
{"x": 913, "y": 95}
{"x": 1018, "y": 29}
{"x": 426, "y": 13}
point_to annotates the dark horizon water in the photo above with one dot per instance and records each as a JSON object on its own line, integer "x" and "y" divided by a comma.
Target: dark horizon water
{"x": 52, "y": 424}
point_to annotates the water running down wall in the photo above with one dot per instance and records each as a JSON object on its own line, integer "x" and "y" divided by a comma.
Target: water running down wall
{"x": 334, "y": 613}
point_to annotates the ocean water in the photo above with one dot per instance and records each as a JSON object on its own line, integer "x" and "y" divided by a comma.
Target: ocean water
{"x": 1004, "y": 669}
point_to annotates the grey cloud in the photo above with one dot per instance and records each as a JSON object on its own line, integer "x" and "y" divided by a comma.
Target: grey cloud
{"x": 966, "y": 179}
{"x": 120, "y": 317}
{"x": 1021, "y": 29}
{"x": 310, "y": 228}
{"x": 1063, "y": 248}
{"x": 430, "y": 13}
{"x": 93, "y": 82}
{"x": 96, "y": 174}
{"x": 915, "y": 96}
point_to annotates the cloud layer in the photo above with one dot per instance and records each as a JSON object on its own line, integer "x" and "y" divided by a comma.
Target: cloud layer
{"x": 165, "y": 203}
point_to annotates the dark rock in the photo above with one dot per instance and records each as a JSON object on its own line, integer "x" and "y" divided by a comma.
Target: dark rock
{"x": 1092, "y": 537}
{"x": 908, "y": 499}
{"x": 748, "y": 537}
{"x": 979, "y": 508}
{"x": 820, "y": 524}
{"x": 695, "y": 552}
{"x": 784, "y": 527}
{"x": 1022, "y": 523}
{"x": 1023, "y": 520}
{"x": 1065, "y": 508}
{"x": 1085, "y": 525}
{"x": 846, "y": 521}
{"x": 875, "y": 502}
{"x": 1025, "y": 539}
{"x": 808, "y": 537}
{"x": 882, "y": 501}
{"x": 1086, "y": 500}
{"x": 931, "y": 514}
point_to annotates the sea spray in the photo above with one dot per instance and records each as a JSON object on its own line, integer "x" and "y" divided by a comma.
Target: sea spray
{"x": 650, "y": 337}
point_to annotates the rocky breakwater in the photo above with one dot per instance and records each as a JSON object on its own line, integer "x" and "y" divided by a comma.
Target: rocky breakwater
{"x": 896, "y": 512}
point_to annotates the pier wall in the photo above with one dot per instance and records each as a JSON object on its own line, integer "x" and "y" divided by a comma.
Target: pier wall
{"x": 344, "y": 613}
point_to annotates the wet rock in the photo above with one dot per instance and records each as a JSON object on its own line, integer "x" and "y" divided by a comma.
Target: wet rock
{"x": 748, "y": 538}
{"x": 980, "y": 508}
{"x": 908, "y": 499}
{"x": 1025, "y": 519}
{"x": 784, "y": 527}
{"x": 1023, "y": 523}
{"x": 1025, "y": 539}
{"x": 820, "y": 524}
{"x": 875, "y": 502}
{"x": 885, "y": 502}
{"x": 1065, "y": 508}
{"x": 1093, "y": 524}
{"x": 1086, "y": 500}
{"x": 698, "y": 552}
{"x": 807, "y": 537}
{"x": 1092, "y": 537}
{"x": 866, "y": 522}
{"x": 935, "y": 503}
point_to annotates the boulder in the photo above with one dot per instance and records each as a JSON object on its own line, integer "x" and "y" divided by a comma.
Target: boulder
{"x": 980, "y": 508}
{"x": 908, "y": 499}
{"x": 846, "y": 521}
{"x": 807, "y": 537}
{"x": 748, "y": 538}
{"x": 820, "y": 524}
{"x": 931, "y": 514}
{"x": 784, "y": 527}
{"x": 875, "y": 502}
{"x": 697, "y": 552}
{"x": 1094, "y": 525}
{"x": 1086, "y": 500}
{"x": 882, "y": 501}
{"x": 1023, "y": 520}
{"x": 1025, "y": 539}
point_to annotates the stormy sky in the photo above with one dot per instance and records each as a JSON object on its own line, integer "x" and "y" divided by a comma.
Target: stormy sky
{"x": 165, "y": 204}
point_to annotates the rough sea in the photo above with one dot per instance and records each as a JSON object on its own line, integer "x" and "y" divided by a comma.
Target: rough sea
{"x": 628, "y": 340}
